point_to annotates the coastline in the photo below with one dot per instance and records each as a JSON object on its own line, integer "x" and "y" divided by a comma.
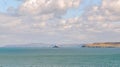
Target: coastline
{"x": 103, "y": 45}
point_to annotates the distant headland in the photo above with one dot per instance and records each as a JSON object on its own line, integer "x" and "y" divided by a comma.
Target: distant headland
{"x": 103, "y": 45}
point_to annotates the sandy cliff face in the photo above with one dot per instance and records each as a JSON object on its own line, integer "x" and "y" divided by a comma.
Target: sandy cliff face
{"x": 104, "y": 45}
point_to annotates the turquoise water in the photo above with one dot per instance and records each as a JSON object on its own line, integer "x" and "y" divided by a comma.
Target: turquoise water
{"x": 61, "y": 57}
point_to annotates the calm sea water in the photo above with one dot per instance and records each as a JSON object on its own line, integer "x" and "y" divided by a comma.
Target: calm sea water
{"x": 61, "y": 57}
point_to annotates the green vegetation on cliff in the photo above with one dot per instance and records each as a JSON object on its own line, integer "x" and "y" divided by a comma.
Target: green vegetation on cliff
{"x": 103, "y": 45}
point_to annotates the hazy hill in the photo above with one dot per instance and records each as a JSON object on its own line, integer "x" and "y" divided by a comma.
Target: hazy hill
{"x": 43, "y": 45}
{"x": 29, "y": 45}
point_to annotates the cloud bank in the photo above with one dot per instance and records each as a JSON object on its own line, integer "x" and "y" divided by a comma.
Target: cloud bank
{"x": 42, "y": 21}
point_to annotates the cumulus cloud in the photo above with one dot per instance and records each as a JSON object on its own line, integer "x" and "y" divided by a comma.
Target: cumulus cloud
{"x": 105, "y": 12}
{"x": 113, "y": 7}
{"x": 42, "y": 21}
{"x": 56, "y": 7}
{"x": 105, "y": 17}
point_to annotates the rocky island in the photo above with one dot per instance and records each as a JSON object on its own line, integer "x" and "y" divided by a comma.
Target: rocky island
{"x": 55, "y": 46}
{"x": 103, "y": 45}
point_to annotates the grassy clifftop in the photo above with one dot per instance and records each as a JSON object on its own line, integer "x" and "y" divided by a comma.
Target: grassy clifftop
{"x": 103, "y": 45}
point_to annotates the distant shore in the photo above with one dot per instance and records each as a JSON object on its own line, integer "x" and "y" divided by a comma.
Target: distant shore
{"x": 103, "y": 45}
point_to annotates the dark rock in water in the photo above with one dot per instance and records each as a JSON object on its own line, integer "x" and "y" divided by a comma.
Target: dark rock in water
{"x": 55, "y": 46}
{"x": 83, "y": 46}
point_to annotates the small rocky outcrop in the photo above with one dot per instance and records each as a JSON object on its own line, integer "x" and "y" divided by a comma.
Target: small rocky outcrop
{"x": 55, "y": 46}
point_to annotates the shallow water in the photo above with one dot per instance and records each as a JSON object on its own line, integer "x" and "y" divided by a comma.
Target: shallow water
{"x": 61, "y": 57}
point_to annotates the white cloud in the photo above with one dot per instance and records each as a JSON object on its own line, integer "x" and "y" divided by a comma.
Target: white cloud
{"x": 108, "y": 11}
{"x": 41, "y": 21}
{"x": 112, "y": 6}
{"x": 56, "y": 7}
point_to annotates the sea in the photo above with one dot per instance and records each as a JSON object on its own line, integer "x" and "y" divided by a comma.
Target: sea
{"x": 59, "y": 57}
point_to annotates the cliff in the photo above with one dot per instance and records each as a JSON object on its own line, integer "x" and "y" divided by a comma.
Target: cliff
{"x": 103, "y": 45}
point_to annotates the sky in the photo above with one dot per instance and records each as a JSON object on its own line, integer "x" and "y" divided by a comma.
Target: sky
{"x": 59, "y": 21}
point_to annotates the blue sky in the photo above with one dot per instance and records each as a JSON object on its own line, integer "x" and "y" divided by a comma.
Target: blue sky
{"x": 4, "y": 4}
{"x": 78, "y": 11}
